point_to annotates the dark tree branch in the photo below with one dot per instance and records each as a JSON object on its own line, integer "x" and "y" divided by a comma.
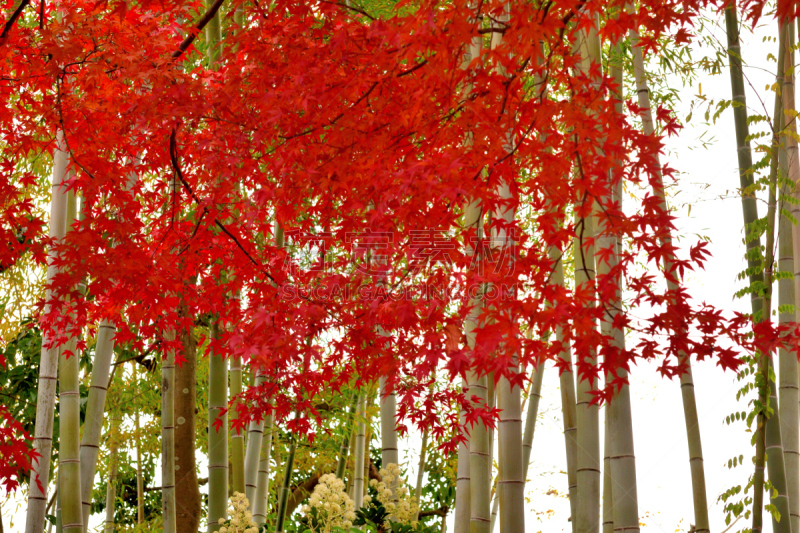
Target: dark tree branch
{"x": 442, "y": 511}
{"x": 198, "y": 27}
{"x": 12, "y": 19}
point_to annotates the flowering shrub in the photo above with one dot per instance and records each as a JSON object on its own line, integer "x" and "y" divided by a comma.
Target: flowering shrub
{"x": 329, "y": 507}
{"x": 241, "y": 520}
{"x": 400, "y": 505}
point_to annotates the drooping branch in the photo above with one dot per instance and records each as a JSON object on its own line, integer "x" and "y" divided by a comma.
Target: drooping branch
{"x": 197, "y": 28}
{"x": 12, "y": 19}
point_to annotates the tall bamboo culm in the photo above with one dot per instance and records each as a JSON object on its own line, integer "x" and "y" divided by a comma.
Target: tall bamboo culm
{"x": 699, "y": 498}
{"x": 788, "y": 396}
{"x": 285, "y": 490}
{"x": 96, "y": 402}
{"x": 359, "y": 455}
{"x": 588, "y": 454}
{"x": 69, "y": 410}
{"x": 568, "y": 401}
{"x": 511, "y": 469}
{"x": 473, "y": 215}
{"x": 111, "y": 486}
{"x": 388, "y": 403}
{"x": 217, "y": 371}
{"x": 531, "y": 414}
{"x": 622, "y": 459}
{"x": 95, "y": 407}
{"x": 238, "y": 472}
{"x": 462, "y": 511}
{"x": 139, "y": 478}
{"x": 255, "y": 437}
{"x": 48, "y": 366}
{"x": 768, "y": 432}
{"x": 217, "y": 437}
{"x": 344, "y": 448}
{"x": 262, "y": 489}
{"x": 479, "y": 444}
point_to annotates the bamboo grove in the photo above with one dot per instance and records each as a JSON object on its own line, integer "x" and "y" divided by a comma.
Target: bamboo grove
{"x": 284, "y": 234}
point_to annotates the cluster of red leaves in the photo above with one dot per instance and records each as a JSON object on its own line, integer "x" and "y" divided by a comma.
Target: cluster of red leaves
{"x": 341, "y": 125}
{"x": 15, "y": 451}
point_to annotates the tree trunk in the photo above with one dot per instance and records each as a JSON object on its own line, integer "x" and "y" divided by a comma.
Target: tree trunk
{"x": 48, "y": 365}
{"x": 187, "y": 502}
{"x": 168, "y": 437}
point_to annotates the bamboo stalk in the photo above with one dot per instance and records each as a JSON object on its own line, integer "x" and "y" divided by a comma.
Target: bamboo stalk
{"x": 262, "y": 490}
{"x": 421, "y": 471}
{"x": 619, "y": 435}
{"x": 344, "y": 448}
{"x": 527, "y": 436}
{"x": 473, "y": 218}
{"x": 239, "y": 475}
{"x": 139, "y": 478}
{"x": 608, "y": 499}
{"x": 479, "y": 444}
{"x": 388, "y": 403}
{"x": 462, "y": 512}
{"x": 285, "y": 491}
{"x": 48, "y": 365}
{"x": 587, "y": 421}
{"x": 692, "y": 421}
{"x": 69, "y": 408}
{"x": 787, "y": 287}
{"x": 95, "y": 407}
{"x": 568, "y": 401}
{"x": 252, "y": 459}
{"x": 768, "y": 432}
{"x": 96, "y": 402}
{"x": 217, "y": 437}
{"x": 359, "y": 456}
{"x": 111, "y": 486}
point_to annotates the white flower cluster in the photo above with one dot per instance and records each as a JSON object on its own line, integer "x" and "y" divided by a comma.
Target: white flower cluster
{"x": 241, "y": 520}
{"x": 401, "y": 506}
{"x": 333, "y": 506}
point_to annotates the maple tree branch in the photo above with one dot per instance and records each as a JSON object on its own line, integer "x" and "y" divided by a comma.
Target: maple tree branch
{"x": 351, "y": 8}
{"x": 198, "y": 27}
{"x": 12, "y": 19}
{"x": 173, "y": 154}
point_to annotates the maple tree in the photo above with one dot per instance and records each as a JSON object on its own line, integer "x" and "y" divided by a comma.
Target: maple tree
{"x": 345, "y": 126}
